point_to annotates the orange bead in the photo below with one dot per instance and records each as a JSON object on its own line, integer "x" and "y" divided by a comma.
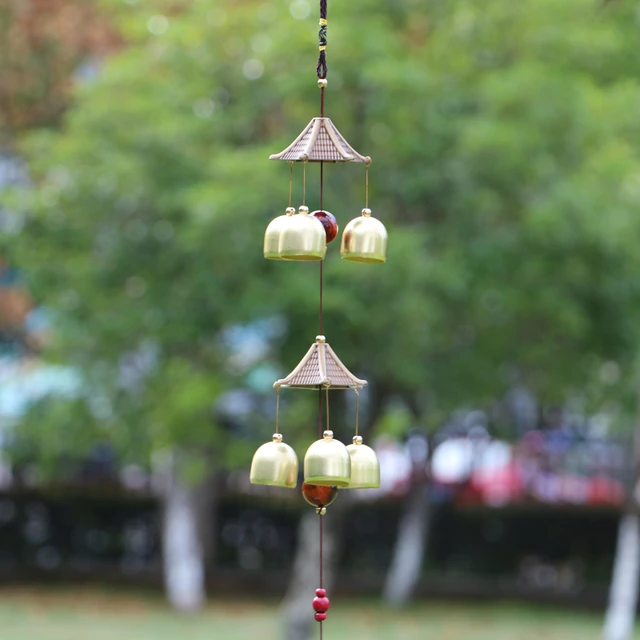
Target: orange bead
{"x": 319, "y": 496}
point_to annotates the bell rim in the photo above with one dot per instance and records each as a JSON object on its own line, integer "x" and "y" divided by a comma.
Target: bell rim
{"x": 301, "y": 257}
{"x": 341, "y": 483}
{"x": 357, "y": 257}
{"x": 364, "y": 486}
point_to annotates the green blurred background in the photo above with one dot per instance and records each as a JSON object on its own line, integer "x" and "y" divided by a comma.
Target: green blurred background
{"x": 141, "y": 329}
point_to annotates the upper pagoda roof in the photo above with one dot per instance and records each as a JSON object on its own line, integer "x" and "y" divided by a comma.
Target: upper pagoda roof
{"x": 320, "y": 141}
{"x": 321, "y": 367}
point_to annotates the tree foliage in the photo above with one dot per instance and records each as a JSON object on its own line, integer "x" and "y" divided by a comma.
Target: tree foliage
{"x": 505, "y": 146}
{"x": 42, "y": 44}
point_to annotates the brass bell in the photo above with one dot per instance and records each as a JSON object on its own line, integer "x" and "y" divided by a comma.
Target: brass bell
{"x": 272, "y": 235}
{"x": 302, "y": 238}
{"x": 364, "y": 240}
{"x": 327, "y": 463}
{"x": 365, "y": 467}
{"x": 275, "y": 464}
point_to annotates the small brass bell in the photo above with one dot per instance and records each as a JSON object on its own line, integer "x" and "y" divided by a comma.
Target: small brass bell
{"x": 302, "y": 238}
{"x": 272, "y": 235}
{"x": 275, "y": 464}
{"x": 364, "y": 240}
{"x": 327, "y": 463}
{"x": 365, "y": 467}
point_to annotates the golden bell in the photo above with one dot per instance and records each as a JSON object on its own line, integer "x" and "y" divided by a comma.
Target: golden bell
{"x": 364, "y": 240}
{"x": 327, "y": 463}
{"x": 302, "y": 238}
{"x": 365, "y": 467}
{"x": 272, "y": 235}
{"x": 275, "y": 464}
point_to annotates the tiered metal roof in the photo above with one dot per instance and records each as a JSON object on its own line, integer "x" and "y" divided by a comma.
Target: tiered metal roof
{"x": 320, "y": 142}
{"x": 321, "y": 367}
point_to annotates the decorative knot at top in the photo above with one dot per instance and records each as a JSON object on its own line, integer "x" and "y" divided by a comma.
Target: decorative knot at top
{"x": 320, "y": 141}
{"x": 321, "y": 367}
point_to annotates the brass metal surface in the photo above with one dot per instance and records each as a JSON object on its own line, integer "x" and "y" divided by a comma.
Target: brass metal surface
{"x": 302, "y": 237}
{"x": 275, "y": 464}
{"x": 365, "y": 467}
{"x": 364, "y": 240}
{"x": 327, "y": 463}
{"x": 272, "y": 235}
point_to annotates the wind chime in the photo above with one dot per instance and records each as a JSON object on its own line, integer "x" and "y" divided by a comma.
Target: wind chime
{"x": 329, "y": 465}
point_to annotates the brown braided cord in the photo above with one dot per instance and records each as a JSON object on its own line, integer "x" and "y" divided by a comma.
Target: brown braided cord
{"x": 321, "y": 69}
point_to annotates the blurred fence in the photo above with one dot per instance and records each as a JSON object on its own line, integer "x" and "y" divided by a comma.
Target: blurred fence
{"x": 533, "y": 551}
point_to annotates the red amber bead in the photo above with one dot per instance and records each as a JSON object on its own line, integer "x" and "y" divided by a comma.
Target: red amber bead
{"x": 321, "y": 605}
{"x": 329, "y": 223}
{"x": 319, "y": 496}
{"x": 321, "y": 616}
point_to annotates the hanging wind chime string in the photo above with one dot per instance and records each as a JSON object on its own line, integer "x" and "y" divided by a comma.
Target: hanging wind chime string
{"x": 304, "y": 182}
{"x": 328, "y": 424}
{"x": 321, "y": 261}
{"x": 357, "y": 409}
{"x": 321, "y": 72}
{"x": 321, "y": 69}
{"x": 320, "y": 428}
{"x": 321, "y": 583}
{"x": 278, "y": 410}
{"x": 320, "y": 510}
{"x": 290, "y": 181}
{"x": 321, "y": 545}
{"x": 320, "y": 515}
{"x": 366, "y": 185}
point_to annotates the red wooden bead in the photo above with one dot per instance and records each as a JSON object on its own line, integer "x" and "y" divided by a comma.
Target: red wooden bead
{"x": 321, "y": 604}
{"x": 319, "y": 496}
{"x": 321, "y": 616}
{"x": 321, "y": 593}
{"x": 329, "y": 223}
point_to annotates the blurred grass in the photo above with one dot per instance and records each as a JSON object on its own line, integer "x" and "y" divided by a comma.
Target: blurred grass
{"x": 88, "y": 614}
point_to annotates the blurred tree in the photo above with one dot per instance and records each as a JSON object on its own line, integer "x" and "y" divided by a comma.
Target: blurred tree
{"x": 505, "y": 165}
{"x": 43, "y": 43}
{"x": 518, "y": 161}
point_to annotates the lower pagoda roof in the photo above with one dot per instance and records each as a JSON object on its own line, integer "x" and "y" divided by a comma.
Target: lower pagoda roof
{"x": 321, "y": 367}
